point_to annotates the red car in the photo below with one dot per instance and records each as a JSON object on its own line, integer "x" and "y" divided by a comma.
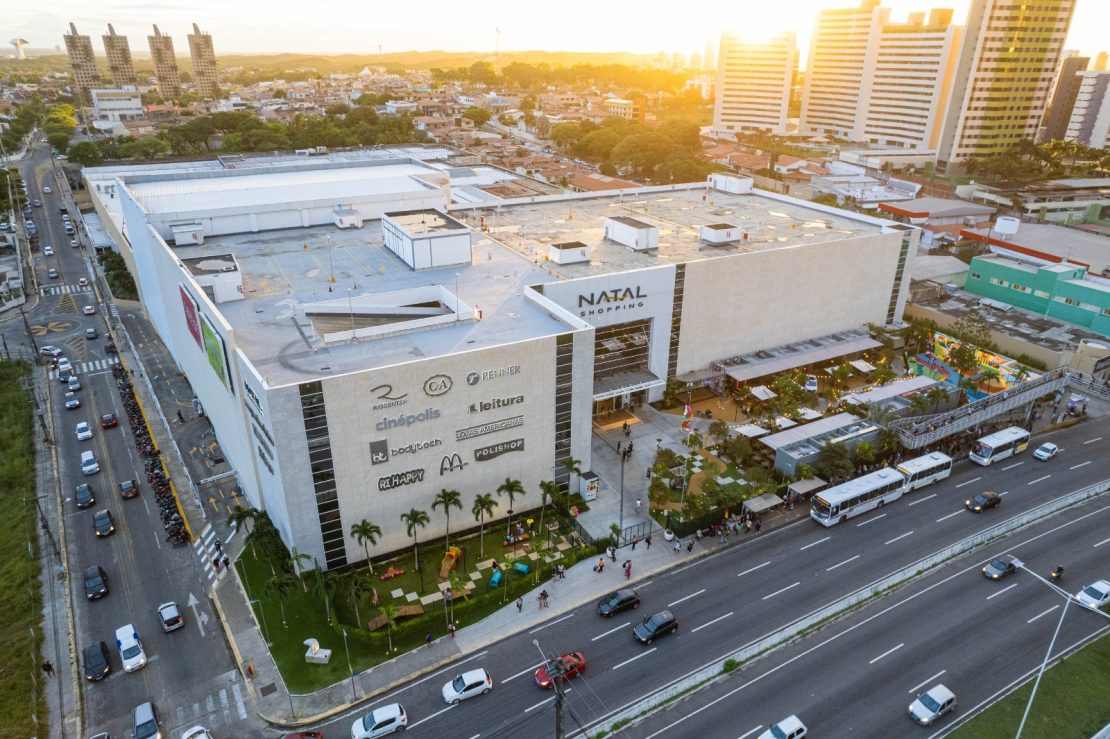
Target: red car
{"x": 108, "y": 420}
{"x": 574, "y": 664}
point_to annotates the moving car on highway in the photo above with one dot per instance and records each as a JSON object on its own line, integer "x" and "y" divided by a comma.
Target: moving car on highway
{"x": 380, "y": 721}
{"x": 1095, "y": 595}
{"x": 467, "y": 685}
{"x": 617, "y": 602}
{"x": 998, "y": 568}
{"x": 1046, "y": 451}
{"x": 932, "y": 704}
{"x": 655, "y": 626}
{"x": 982, "y": 502}
{"x": 790, "y": 727}
{"x": 574, "y": 664}
{"x": 130, "y": 648}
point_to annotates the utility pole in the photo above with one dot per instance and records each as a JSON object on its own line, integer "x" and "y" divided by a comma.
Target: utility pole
{"x": 555, "y": 672}
{"x": 30, "y": 335}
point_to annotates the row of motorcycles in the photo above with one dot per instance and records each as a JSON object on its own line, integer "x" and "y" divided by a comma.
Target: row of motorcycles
{"x": 156, "y": 477}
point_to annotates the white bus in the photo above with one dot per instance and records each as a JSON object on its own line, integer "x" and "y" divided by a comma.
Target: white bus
{"x": 1000, "y": 445}
{"x": 925, "y": 470}
{"x": 857, "y": 496}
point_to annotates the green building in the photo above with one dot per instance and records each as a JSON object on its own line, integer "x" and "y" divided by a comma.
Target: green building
{"x": 1062, "y": 291}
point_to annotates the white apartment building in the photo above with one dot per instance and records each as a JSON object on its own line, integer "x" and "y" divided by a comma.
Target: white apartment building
{"x": 1090, "y": 118}
{"x": 753, "y": 84}
{"x": 879, "y": 82}
{"x": 124, "y": 104}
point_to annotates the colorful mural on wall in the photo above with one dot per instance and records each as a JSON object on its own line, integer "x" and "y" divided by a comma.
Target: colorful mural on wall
{"x": 996, "y": 372}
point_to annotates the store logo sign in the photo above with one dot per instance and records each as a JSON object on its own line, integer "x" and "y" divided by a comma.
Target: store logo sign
{"x": 418, "y": 446}
{"x": 486, "y": 453}
{"x": 489, "y": 428}
{"x": 437, "y": 385}
{"x": 379, "y": 451}
{"x": 407, "y": 419}
{"x": 473, "y": 378}
{"x": 495, "y": 404}
{"x": 451, "y": 463}
{"x": 386, "y": 398}
{"x": 616, "y": 295}
{"x": 400, "y": 479}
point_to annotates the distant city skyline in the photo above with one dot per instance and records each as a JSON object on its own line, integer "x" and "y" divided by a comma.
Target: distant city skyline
{"x": 348, "y": 27}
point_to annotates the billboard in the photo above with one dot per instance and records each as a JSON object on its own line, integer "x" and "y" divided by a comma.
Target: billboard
{"x": 214, "y": 347}
{"x": 191, "y": 319}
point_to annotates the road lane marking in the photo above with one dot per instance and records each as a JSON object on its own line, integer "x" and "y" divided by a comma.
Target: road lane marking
{"x": 1042, "y": 613}
{"x": 719, "y": 618}
{"x": 239, "y": 705}
{"x": 903, "y": 536}
{"x": 550, "y": 623}
{"x": 744, "y": 736}
{"x": 1102, "y": 542}
{"x": 610, "y": 631}
{"x": 1039, "y": 479}
{"x": 886, "y": 653}
{"x": 873, "y": 518}
{"x": 752, "y": 569}
{"x": 1081, "y": 464}
{"x": 545, "y": 701}
{"x": 686, "y": 597}
{"x": 1011, "y": 466}
{"x": 813, "y": 544}
{"x": 948, "y": 516}
{"x": 622, "y": 664}
{"x": 1004, "y": 492}
{"x": 429, "y": 718}
{"x": 1092, "y": 441}
{"x": 925, "y": 682}
{"x": 525, "y": 671}
{"x": 772, "y": 595}
{"x": 1003, "y": 590}
{"x": 922, "y": 500}
{"x": 968, "y": 482}
{"x": 830, "y": 569}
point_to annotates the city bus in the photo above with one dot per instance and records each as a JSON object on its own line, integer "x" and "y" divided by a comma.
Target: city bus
{"x": 857, "y": 496}
{"x": 925, "y": 470}
{"x": 1000, "y": 445}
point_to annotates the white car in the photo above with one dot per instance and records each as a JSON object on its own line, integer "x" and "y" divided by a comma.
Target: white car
{"x": 47, "y": 190}
{"x": 1046, "y": 451}
{"x": 83, "y": 281}
{"x": 932, "y": 704}
{"x": 64, "y": 365}
{"x": 89, "y": 310}
{"x": 379, "y": 722}
{"x": 467, "y": 685}
{"x": 50, "y": 351}
{"x": 130, "y": 648}
{"x": 197, "y": 732}
{"x": 811, "y": 383}
{"x": 48, "y": 251}
{"x": 1095, "y": 595}
{"x": 790, "y": 727}
{"x": 84, "y": 431}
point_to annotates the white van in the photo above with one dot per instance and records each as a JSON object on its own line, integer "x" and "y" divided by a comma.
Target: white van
{"x": 89, "y": 465}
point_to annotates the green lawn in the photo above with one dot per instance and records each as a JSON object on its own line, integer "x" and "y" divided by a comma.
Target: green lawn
{"x": 21, "y": 681}
{"x": 1071, "y": 702}
{"x": 305, "y": 615}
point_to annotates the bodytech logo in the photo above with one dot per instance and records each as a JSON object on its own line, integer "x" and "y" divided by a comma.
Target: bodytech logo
{"x": 495, "y": 403}
{"x": 379, "y": 452}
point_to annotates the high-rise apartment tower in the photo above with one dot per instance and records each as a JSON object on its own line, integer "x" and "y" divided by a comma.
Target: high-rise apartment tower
{"x": 85, "y": 74}
{"x": 165, "y": 64}
{"x": 119, "y": 58}
{"x": 753, "y": 85}
{"x": 204, "y": 63}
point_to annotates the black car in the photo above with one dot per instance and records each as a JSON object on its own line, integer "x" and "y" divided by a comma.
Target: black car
{"x": 997, "y": 569}
{"x": 982, "y": 502}
{"x": 617, "y": 602}
{"x": 129, "y": 488}
{"x": 653, "y": 627}
{"x": 97, "y": 664}
{"x": 96, "y": 583}
{"x": 103, "y": 523}
{"x": 83, "y": 496}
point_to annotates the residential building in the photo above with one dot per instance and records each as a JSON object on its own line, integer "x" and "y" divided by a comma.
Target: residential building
{"x": 1065, "y": 90}
{"x": 940, "y": 219}
{"x": 1072, "y": 201}
{"x": 81, "y": 59}
{"x": 879, "y": 82}
{"x": 1090, "y": 117}
{"x": 629, "y": 110}
{"x": 1048, "y": 244}
{"x": 205, "y": 79}
{"x": 118, "y": 105}
{"x": 118, "y": 52}
{"x": 1101, "y": 63}
{"x": 165, "y": 64}
{"x": 1010, "y": 52}
{"x": 753, "y": 85}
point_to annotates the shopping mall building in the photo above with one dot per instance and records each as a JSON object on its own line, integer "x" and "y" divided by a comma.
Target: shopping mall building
{"x": 366, "y": 329}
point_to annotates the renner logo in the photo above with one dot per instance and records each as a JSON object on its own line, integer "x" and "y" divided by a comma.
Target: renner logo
{"x": 406, "y": 420}
{"x": 379, "y": 451}
{"x": 495, "y": 404}
{"x": 418, "y": 446}
{"x": 486, "y": 453}
{"x": 398, "y": 479}
{"x": 473, "y": 378}
{"x": 437, "y": 385}
{"x": 451, "y": 463}
{"x": 616, "y": 295}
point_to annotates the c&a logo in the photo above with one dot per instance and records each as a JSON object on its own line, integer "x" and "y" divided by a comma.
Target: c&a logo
{"x": 451, "y": 463}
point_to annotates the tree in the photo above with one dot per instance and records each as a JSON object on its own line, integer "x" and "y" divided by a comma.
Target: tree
{"x": 573, "y": 467}
{"x": 85, "y": 153}
{"x": 549, "y": 491}
{"x": 148, "y": 148}
{"x": 740, "y": 396}
{"x": 919, "y": 403}
{"x": 882, "y": 375}
{"x": 510, "y": 488}
{"x": 361, "y": 586}
{"x": 298, "y": 557}
{"x": 480, "y": 116}
{"x": 278, "y": 587}
{"x": 447, "y": 499}
{"x": 835, "y": 461}
{"x": 936, "y": 395}
{"x": 988, "y": 376}
{"x": 483, "y": 506}
{"x": 973, "y": 328}
{"x": 390, "y": 612}
{"x": 324, "y": 586}
{"x": 366, "y": 531}
{"x": 242, "y": 516}
{"x": 865, "y": 453}
{"x": 606, "y": 168}
{"x": 839, "y": 376}
{"x": 415, "y": 519}
{"x": 719, "y": 430}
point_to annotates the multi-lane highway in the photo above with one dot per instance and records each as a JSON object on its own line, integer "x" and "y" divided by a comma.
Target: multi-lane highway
{"x": 738, "y": 595}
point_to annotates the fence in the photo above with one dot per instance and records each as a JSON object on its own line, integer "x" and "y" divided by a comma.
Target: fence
{"x": 714, "y": 669}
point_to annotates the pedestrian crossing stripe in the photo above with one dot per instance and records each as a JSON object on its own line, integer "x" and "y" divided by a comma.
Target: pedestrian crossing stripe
{"x": 84, "y": 368}
{"x": 66, "y": 289}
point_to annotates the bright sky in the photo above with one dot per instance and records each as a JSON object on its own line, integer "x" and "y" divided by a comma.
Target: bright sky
{"x": 339, "y": 26}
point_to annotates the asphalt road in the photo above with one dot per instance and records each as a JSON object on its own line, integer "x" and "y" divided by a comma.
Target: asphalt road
{"x": 976, "y": 636}
{"x": 736, "y": 596}
{"x": 189, "y": 674}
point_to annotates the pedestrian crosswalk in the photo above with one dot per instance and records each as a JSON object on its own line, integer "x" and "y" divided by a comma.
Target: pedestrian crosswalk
{"x": 222, "y": 707}
{"x": 85, "y": 368}
{"x": 65, "y": 289}
{"x": 210, "y": 550}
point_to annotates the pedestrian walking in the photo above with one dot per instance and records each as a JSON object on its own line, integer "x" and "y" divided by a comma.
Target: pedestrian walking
{"x": 218, "y": 544}
{"x": 619, "y": 444}
{"x": 627, "y": 569}
{"x": 690, "y": 546}
{"x": 519, "y": 604}
{"x": 562, "y": 571}
{"x": 634, "y": 540}
{"x": 451, "y": 630}
{"x": 428, "y": 640}
{"x": 180, "y": 417}
{"x": 625, "y": 429}
{"x": 758, "y": 524}
{"x": 677, "y": 546}
{"x": 543, "y": 598}
{"x": 227, "y": 562}
{"x": 216, "y": 564}
{"x": 48, "y": 668}
{"x": 612, "y": 553}
{"x": 630, "y": 445}
{"x": 639, "y": 505}
{"x": 647, "y": 540}
{"x": 600, "y": 566}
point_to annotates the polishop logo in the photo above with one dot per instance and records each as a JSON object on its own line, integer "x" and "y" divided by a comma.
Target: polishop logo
{"x": 495, "y": 403}
{"x": 473, "y": 378}
{"x": 400, "y": 479}
{"x": 389, "y": 399}
{"x": 606, "y": 301}
{"x": 380, "y": 450}
{"x": 407, "y": 419}
{"x": 486, "y": 453}
{"x": 437, "y": 385}
{"x": 451, "y": 463}
{"x": 489, "y": 428}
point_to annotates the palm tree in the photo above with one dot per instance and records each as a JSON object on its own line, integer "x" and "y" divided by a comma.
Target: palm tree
{"x": 413, "y": 520}
{"x": 361, "y": 586}
{"x": 241, "y": 517}
{"x": 366, "y": 531}
{"x": 447, "y": 499}
{"x": 483, "y": 506}
{"x": 390, "y": 612}
{"x": 548, "y": 491}
{"x": 919, "y": 403}
{"x": 936, "y": 395}
{"x": 325, "y": 585}
{"x": 279, "y": 587}
{"x": 572, "y": 466}
{"x": 513, "y": 488}
{"x": 988, "y": 376}
{"x": 739, "y": 396}
{"x": 298, "y": 557}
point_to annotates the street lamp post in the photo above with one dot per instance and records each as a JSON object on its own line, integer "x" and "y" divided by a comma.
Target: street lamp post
{"x": 351, "y": 309}
{"x": 621, "y": 517}
{"x": 354, "y": 693}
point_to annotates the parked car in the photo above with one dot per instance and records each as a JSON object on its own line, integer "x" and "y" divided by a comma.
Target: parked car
{"x": 84, "y": 431}
{"x": 1095, "y": 595}
{"x": 932, "y": 704}
{"x": 379, "y": 722}
{"x": 655, "y": 626}
{"x": 128, "y": 488}
{"x": 574, "y": 664}
{"x": 811, "y": 387}
{"x": 790, "y": 727}
{"x": 104, "y": 524}
{"x": 1046, "y": 451}
{"x": 997, "y": 569}
{"x": 467, "y": 685}
{"x": 618, "y": 601}
{"x": 170, "y": 617}
{"x": 98, "y": 665}
{"x": 982, "y": 502}
{"x": 83, "y": 496}
{"x": 145, "y": 722}
{"x": 130, "y": 648}
{"x": 96, "y": 582}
